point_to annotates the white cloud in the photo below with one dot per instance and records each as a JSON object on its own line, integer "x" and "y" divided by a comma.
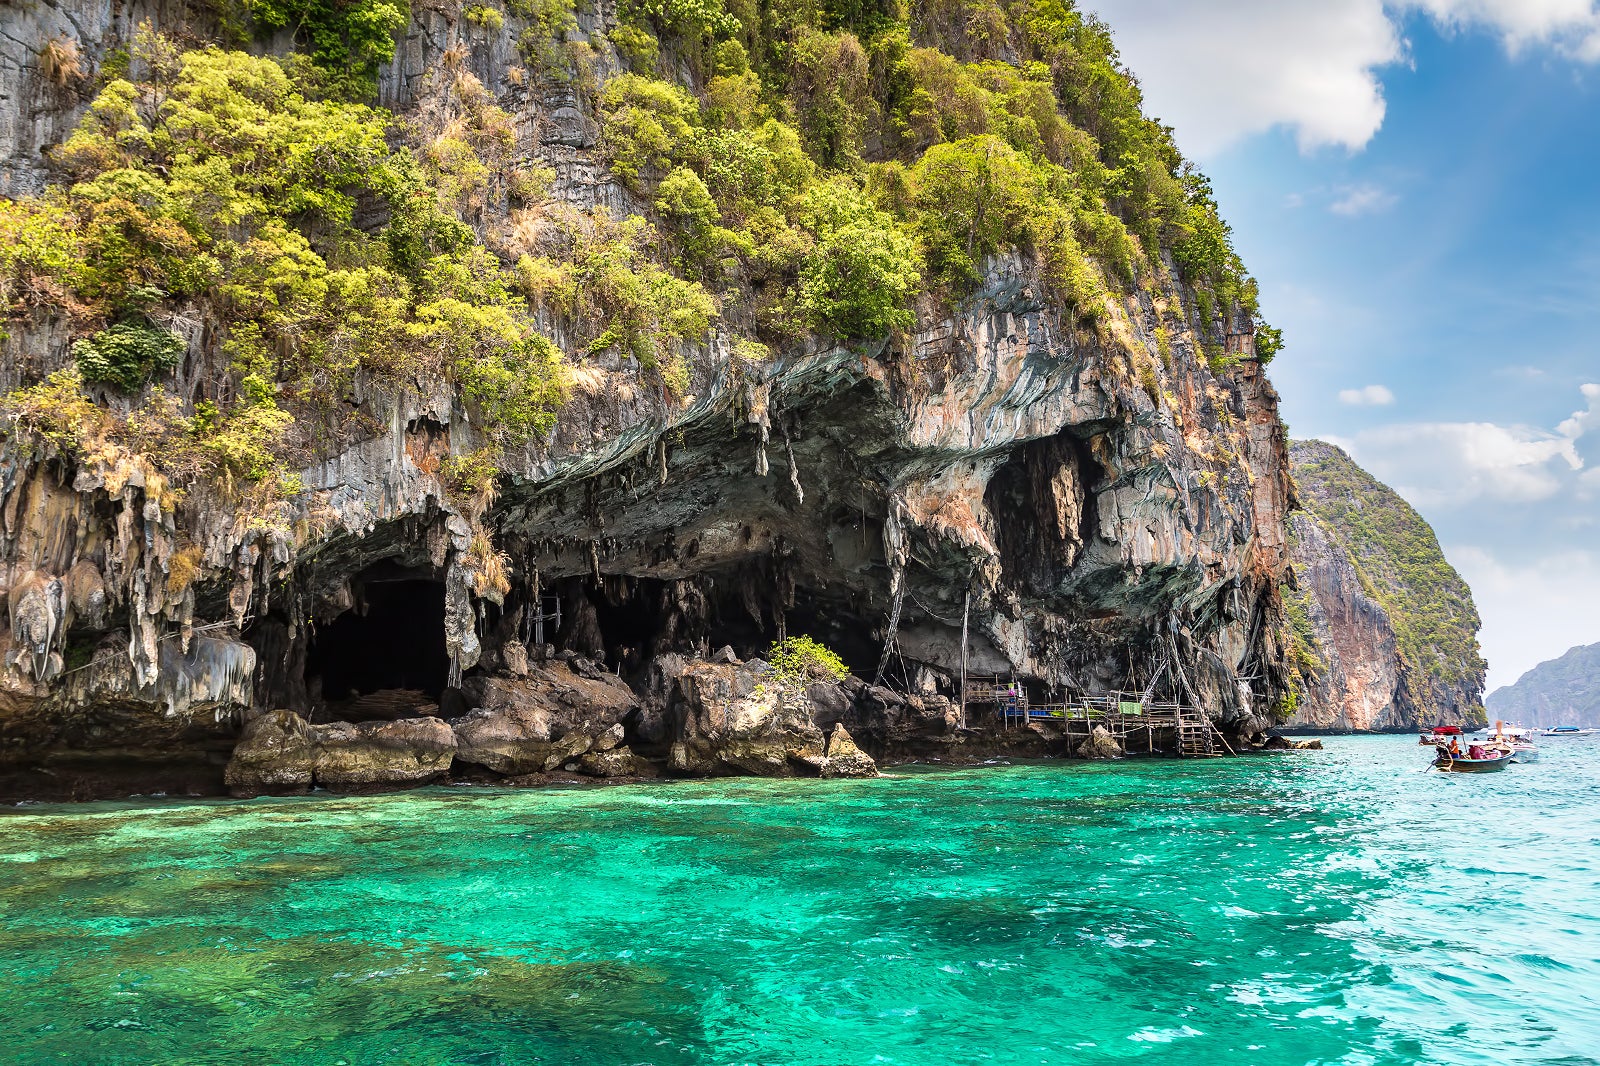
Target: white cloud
{"x": 1454, "y": 464}
{"x": 1570, "y": 25}
{"x": 1532, "y": 610}
{"x": 1583, "y": 421}
{"x": 1370, "y": 396}
{"x": 1222, "y": 70}
{"x": 1363, "y": 199}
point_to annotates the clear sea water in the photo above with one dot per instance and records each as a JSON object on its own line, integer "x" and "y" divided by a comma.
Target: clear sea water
{"x": 1305, "y": 907}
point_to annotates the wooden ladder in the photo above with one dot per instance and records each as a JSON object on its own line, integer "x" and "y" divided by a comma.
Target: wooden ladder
{"x": 1195, "y": 737}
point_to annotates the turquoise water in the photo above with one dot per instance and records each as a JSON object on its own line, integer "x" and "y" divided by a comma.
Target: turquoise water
{"x": 1298, "y": 908}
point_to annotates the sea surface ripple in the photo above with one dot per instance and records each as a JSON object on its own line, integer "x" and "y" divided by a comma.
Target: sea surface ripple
{"x": 1305, "y": 907}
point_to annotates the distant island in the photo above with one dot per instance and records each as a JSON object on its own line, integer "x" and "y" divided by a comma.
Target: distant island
{"x": 1564, "y": 691}
{"x": 1385, "y": 631}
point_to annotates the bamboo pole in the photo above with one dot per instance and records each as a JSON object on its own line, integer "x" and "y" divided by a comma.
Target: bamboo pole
{"x": 966, "y": 607}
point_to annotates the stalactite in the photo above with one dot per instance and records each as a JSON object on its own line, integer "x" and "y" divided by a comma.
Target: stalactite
{"x": 894, "y": 546}
{"x": 794, "y": 468}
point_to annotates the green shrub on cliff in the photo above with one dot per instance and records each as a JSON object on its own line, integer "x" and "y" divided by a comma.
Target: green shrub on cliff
{"x": 347, "y": 39}
{"x": 798, "y": 661}
{"x": 127, "y": 354}
{"x": 821, "y": 167}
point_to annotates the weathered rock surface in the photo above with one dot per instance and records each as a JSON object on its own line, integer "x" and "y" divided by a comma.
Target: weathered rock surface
{"x": 844, "y": 759}
{"x": 281, "y": 752}
{"x": 739, "y": 719}
{"x": 276, "y": 753}
{"x": 542, "y": 720}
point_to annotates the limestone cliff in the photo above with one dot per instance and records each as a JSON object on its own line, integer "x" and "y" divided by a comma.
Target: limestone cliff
{"x": 1562, "y": 691}
{"x": 1386, "y": 632}
{"x": 1060, "y": 439}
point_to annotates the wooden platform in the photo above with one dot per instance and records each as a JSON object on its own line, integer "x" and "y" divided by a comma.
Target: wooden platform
{"x": 1122, "y": 714}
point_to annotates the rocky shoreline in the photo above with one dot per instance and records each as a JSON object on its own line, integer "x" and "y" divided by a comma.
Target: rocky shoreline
{"x": 562, "y": 718}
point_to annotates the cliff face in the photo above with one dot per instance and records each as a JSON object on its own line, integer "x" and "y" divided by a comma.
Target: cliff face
{"x": 1386, "y": 630}
{"x": 1563, "y": 691}
{"x": 1090, "y": 483}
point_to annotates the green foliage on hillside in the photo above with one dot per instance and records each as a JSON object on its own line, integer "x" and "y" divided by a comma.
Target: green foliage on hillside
{"x": 213, "y": 178}
{"x": 809, "y": 168}
{"x": 1401, "y": 567}
{"x": 347, "y": 39}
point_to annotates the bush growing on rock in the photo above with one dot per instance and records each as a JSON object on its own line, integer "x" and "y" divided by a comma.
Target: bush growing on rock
{"x": 797, "y": 661}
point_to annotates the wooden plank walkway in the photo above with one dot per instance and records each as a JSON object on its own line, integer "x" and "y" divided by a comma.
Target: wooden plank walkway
{"x": 1121, "y": 714}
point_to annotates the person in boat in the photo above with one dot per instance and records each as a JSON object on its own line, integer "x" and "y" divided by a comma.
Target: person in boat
{"x": 1455, "y": 747}
{"x": 1477, "y": 751}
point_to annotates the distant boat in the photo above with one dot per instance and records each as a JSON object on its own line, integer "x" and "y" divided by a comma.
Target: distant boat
{"x": 1516, "y": 739}
{"x": 1569, "y": 731}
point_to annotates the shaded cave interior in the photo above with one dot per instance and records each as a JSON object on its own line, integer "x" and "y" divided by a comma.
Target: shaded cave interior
{"x": 384, "y": 654}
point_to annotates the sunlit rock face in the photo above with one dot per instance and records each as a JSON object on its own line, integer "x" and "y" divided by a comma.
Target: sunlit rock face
{"x": 1097, "y": 508}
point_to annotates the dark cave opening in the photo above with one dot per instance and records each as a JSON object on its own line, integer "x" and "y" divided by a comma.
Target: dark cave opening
{"x": 395, "y": 642}
{"x": 626, "y": 621}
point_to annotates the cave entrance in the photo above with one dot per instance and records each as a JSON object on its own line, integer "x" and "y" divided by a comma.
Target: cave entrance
{"x": 394, "y": 639}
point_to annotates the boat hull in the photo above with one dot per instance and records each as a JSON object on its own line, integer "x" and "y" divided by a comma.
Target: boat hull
{"x": 1472, "y": 766}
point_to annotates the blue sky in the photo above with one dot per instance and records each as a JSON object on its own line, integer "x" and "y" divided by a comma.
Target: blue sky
{"x": 1417, "y": 188}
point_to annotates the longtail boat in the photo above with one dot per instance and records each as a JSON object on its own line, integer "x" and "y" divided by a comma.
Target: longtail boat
{"x": 1462, "y": 764}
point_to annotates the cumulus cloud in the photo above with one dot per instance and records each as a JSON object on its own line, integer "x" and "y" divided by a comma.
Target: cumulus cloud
{"x": 1455, "y": 464}
{"x": 1370, "y": 396}
{"x": 1353, "y": 201}
{"x": 1225, "y": 69}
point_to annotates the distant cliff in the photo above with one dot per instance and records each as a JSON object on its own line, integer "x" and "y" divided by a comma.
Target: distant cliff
{"x": 1564, "y": 691}
{"x": 1385, "y": 629}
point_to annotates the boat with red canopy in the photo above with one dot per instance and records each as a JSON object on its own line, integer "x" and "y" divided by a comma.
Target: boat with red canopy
{"x": 1440, "y": 733}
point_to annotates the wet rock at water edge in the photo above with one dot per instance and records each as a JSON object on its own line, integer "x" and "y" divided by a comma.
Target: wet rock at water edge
{"x": 538, "y": 722}
{"x": 412, "y": 751}
{"x": 280, "y": 752}
{"x": 615, "y": 762}
{"x": 844, "y": 759}
{"x": 275, "y": 755}
{"x": 1099, "y": 745}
